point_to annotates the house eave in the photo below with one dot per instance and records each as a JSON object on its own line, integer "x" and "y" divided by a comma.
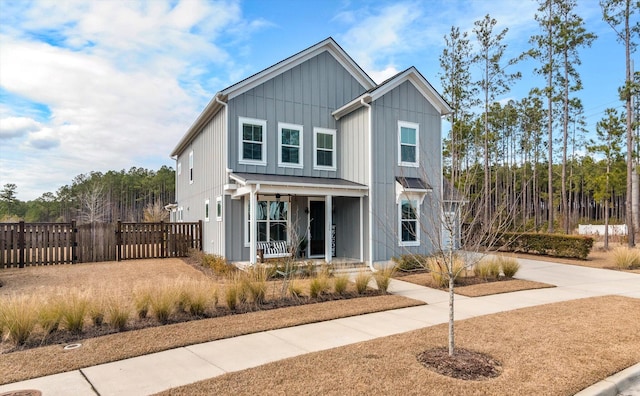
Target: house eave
{"x": 205, "y": 116}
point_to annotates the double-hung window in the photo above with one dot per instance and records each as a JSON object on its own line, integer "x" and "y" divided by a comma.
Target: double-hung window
{"x": 272, "y": 220}
{"x": 408, "y": 144}
{"x": 206, "y": 210}
{"x": 409, "y": 222}
{"x": 252, "y": 141}
{"x": 290, "y": 145}
{"x": 324, "y": 149}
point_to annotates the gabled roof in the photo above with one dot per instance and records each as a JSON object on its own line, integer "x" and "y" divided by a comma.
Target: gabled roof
{"x": 414, "y": 77}
{"x": 248, "y": 83}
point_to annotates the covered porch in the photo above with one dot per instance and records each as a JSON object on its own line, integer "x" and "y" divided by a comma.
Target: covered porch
{"x": 318, "y": 218}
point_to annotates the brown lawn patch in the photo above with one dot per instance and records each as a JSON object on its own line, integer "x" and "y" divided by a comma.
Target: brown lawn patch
{"x": 472, "y": 286}
{"x": 556, "y": 349}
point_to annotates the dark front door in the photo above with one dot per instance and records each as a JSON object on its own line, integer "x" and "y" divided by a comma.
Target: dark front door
{"x": 316, "y": 228}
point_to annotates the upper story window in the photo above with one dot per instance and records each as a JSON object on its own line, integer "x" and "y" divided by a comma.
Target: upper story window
{"x": 408, "y": 217}
{"x": 290, "y": 145}
{"x": 324, "y": 149}
{"x": 253, "y": 141}
{"x": 206, "y": 210}
{"x": 408, "y": 144}
{"x": 179, "y": 168}
{"x": 191, "y": 166}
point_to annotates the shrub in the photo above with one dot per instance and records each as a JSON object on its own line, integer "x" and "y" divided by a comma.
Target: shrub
{"x": 383, "y": 278}
{"x": 218, "y": 264}
{"x": 319, "y": 286}
{"x": 557, "y": 245}
{"x": 510, "y": 266}
{"x": 410, "y": 262}
{"x": 340, "y": 283}
{"x": 362, "y": 281}
{"x": 118, "y": 312}
{"x": 19, "y": 316}
{"x": 625, "y": 258}
{"x": 74, "y": 310}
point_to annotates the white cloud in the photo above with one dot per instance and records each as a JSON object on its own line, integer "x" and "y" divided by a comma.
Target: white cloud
{"x": 11, "y": 127}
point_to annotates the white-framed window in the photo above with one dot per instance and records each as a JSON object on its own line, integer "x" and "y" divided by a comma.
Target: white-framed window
{"x": 324, "y": 149}
{"x": 191, "y": 167}
{"x": 180, "y": 215}
{"x": 408, "y": 144}
{"x": 219, "y": 208}
{"x": 206, "y": 210}
{"x": 253, "y": 141}
{"x": 290, "y": 138}
{"x": 179, "y": 168}
{"x": 409, "y": 222}
{"x": 272, "y": 220}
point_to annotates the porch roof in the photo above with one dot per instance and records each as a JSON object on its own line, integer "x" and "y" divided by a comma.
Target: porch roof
{"x": 298, "y": 185}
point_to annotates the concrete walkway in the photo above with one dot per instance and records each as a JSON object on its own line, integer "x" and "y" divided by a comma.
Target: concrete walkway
{"x": 164, "y": 370}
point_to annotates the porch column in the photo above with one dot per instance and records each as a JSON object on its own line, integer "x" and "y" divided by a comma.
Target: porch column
{"x": 361, "y": 215}
{"x": 328, "y": 221}
{"x": 253, "y": 234}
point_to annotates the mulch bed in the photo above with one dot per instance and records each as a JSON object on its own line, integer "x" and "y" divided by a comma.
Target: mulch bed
{"x": 464, "y": 364}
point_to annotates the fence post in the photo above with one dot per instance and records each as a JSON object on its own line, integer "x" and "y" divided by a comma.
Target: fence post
{"x": 162, "y": 239}
{"x": 21, "y": 244}
{"x": 74, "y": 242}
{"x": 118, "y": 240}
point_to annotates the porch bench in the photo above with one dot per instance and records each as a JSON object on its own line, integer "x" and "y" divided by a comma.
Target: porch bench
{"x": 273, "y": 249}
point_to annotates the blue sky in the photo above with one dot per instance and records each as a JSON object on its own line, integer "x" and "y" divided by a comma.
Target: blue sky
{"x": 100, "y": 85}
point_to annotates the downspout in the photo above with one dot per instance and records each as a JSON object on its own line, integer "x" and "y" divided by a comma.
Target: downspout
{"x": 368, "y": 106}
{"x": 225, "y": 136}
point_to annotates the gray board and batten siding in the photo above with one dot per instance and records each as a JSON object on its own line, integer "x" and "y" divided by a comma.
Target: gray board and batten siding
{"x": 403, "y": 103}
{"x": 304, "y": 95}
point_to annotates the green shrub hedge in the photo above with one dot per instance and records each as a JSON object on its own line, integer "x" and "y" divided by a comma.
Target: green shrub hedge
{"x": 557, "y": 245}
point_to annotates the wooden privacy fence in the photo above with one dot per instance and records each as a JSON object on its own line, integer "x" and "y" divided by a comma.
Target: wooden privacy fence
{"x": 26, "y": 244}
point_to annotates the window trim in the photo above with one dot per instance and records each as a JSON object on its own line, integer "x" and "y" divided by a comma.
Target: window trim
{"x": 267, "y": 199}
{"x": 219, "y": 208}
{"x": 325, "y": 131}
{"x": 300, "y": 129}
{"x": 417, "y": 220}
{"x": 416, "y": 127}
{"x": 252, "y": 121}
{"x": 191, "y": 167}
{"x": 206, "y": 210}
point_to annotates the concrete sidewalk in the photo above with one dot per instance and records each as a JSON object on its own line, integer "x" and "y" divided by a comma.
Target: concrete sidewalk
{"x": 164, "y": 370}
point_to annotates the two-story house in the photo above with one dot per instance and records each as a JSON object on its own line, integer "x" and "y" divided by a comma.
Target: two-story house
{"x": 313, "y": 149}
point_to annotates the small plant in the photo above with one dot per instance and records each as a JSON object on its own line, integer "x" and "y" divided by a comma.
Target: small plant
{"x": 340, "y": 283}
{"x": 362, "y": 281}
{"x": 96, "y": 310}
{"x": 410, "y": 262}
{"x": 439, "y": 270}
{"x": 254, "y": 283}
{"x": 19, "y": 316}
{"x": 118, "y": 312}
{"x": 625, "y": 258}
{"x": 73, "y": 310}
{"x": 510, "y": 266}
{"x": 198, "y": 297}
{"x": 487, "y": 269}
{"x": 319, "y": 286}
{"x": 142, "y": 300}
{"x": 383, "y": 278}
{"x": 218, "y": 264}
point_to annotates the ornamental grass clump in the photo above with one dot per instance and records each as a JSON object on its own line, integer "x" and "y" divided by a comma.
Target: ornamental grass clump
{"x": 163, "y": 302}
{"x": 487, "y": 269}
{"x": 74, "y": 310}
{"x": 340, "y": 283}
{"x": 96, "y": 309}
{"x": 510, "y": 266}
{"x": 362, "y": 282}
{"x": 198, "y": 296}
{"x": 319, "y": 285}
{"x": 18, "y": 318}
{"x": 231, "y": 296}
{"x": 118, "y": 312}
{"x": 50, "y": 315}
{"x": 294, "y": 288}
{"x": 254, "y": 284}
{"x": 142, "y": 300}
{"x": 439, "y": 269}
{"x": 383, "y": 278}
{"x": 625, "y": 258}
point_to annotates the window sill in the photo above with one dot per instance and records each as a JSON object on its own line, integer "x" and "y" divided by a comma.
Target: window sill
{"x": 286, "y": 165}
{"x": 409, "y": 164}
{"x": 407, "y": 244}
{"x": 247, "y": 162}
{"x": 325, "y": 168}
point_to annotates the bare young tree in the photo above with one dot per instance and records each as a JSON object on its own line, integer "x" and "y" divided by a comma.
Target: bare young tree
{"x": 94, "y": 204}
{"x": 155, "y": 213}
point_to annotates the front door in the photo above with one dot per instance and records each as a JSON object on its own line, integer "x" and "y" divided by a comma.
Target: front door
{"x": 316, "y": 228}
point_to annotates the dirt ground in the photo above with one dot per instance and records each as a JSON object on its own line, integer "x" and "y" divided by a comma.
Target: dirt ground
{"x": 556, "y": 349}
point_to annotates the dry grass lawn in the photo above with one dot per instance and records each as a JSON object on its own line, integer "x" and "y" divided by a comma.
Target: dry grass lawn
{"x": 556, "y": 349}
